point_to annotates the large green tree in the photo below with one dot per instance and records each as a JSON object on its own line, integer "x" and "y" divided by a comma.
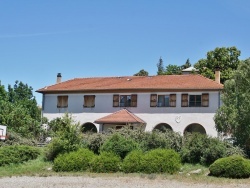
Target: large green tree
{"x": 160, "y": 67}
{"x": 19, "y": 110}
{"x": 233, "y": 117}
{"x": 226, "y": 59}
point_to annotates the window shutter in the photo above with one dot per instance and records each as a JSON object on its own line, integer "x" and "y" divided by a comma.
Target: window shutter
{"x": 184, "y": 100}
{"x": 89, "y": 101}
{"x": 205, "y": 99}
{"x": 134, "y": 100}
{"x": 172, "y": 100}
{"x": 153, "y": 100}
{"x": 62, "y": 101}
{"x": 115, "y": 100}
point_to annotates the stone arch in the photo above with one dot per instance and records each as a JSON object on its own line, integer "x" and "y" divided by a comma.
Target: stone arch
{"x": 88, "y": 127}
{"x": 195, "y": 128}
{"x": 163, "y": 127}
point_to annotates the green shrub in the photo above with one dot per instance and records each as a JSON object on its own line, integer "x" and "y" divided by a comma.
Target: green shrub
{"x": 119, "y": 145}
{"x": 231, "y": 167}
{"x": 132, "y": 162}
{"x": 160, "y": 161}
{"x": 105, "y": 162}
{"x": 67, "y": 138}
{"x": 73, "y": 161}
{"x": 95, "y": 141}
{"x": 17, "y": 154}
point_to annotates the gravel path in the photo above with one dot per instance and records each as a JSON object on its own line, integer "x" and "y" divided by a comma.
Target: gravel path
{"x": 103, "y": 182}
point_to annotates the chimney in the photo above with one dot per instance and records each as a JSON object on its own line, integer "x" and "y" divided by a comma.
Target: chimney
{"x": 217, "y": 74}
{"x": 59, "y": 78}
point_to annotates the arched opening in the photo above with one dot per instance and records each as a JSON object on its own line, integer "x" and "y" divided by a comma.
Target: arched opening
{"x": 195, "y": 128}
{"x": 89, "y": 127}
{"x": 163, "y": 127}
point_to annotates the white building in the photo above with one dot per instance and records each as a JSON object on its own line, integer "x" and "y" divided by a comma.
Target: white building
{"x": 178, "y": 102}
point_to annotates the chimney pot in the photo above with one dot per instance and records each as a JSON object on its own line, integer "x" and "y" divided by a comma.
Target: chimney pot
{"x": 59, "y": 78}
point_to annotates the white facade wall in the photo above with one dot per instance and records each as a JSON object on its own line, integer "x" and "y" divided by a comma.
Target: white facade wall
{"x": 177, "y": 117}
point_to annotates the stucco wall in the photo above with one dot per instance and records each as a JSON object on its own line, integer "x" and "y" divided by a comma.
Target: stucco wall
{"x": 177, "y": 117}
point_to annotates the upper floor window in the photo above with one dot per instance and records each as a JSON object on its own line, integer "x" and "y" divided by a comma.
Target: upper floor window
{"x": 89, "y": 101}
{"x": 125, "y": 100}
{"x": 62, "y": 101}
{"x": 195, "y": 100}
{"x": 163, "y": 100}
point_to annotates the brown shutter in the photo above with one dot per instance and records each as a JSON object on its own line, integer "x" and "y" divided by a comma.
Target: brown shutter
{"x": 205, "y": 99}
{"x": 62, "y": 101}
{"x": 153, "y": 100}
{"x": 115, "y": 100}
{"x": 172, "y": 100}
{"x": 89, "y": 101}
{"x": 184, "y": 100}
{"x": 134, "y": 100}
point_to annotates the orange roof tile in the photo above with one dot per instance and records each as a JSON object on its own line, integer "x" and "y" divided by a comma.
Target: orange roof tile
{"x": 121, "y": 116}
{"x": 167, "y": 82}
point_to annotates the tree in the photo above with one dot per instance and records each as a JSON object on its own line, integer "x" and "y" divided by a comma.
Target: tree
{"x": 227, "y": 59}
{"x": 173, "y": 70}
{"x": 160, "y": 67}
{"x": 186, "y": 65}
{"x": 233, "y": 118}
{"x": 142, "y": 72}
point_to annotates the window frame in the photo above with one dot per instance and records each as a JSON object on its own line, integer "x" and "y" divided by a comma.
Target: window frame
{"x": 154, "y": 100}
{"x": 117, "y": 100}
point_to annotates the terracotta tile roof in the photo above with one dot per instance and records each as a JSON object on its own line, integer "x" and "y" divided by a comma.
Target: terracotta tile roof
{"x": 121, "y": 116}
{"x": 167, "y": 82}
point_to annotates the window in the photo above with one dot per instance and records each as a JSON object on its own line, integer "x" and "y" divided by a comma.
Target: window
{"x": 163, "y": 100}
{"x": 62, "y": 101}
{"x": 89, "y": 101}
{"x": 195, "y": 100}
{"x": 125, "y": 100}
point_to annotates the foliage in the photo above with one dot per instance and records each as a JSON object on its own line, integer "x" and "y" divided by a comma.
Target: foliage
{"x": 16, "y": 139}
{"x": 67, "y": 138}
{"x": 227, "y": 59}
{"x": 19, "y": 110}
{"x": 173, "y": 70}
{"x": 160, "y": 67}
{"x": 231, "y": 167}
{"x": 74, "y": 161}
{"x": 17, "y": 154}
{"x": 132, "y": 162}
{"x": 186, "y": 65}
{"x": 94, "y": 141}
{"x": 198, "y": 148}
{"x": 142, "y": 72}
{"x": 232, "y": 118}
{"x": 119, "y": 145}
{"x": 106, "y": 162}
{"x": 160, "y": 161}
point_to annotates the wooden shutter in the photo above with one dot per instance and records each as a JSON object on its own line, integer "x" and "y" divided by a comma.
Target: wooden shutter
{"x": 62, "y": 101}
{"x": 172, "y": 100}
{"x": 153, "y": 100}
{"x": 205, "y": 99}
{"x": 134, "y": 100}
{"x": 89, "y": 101}
{"x": 115, "y": 100}
{"x": 184, "y": 100}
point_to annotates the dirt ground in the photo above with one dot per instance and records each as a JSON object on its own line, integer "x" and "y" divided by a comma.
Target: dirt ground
{"x": 105, "y": 182}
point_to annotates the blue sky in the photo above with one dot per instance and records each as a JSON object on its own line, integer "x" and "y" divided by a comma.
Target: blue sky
{"x": 90, "y": 38}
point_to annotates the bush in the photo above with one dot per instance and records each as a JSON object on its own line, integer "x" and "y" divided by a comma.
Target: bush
{"x": 17, "y": 154}
{"x": 73, "y": 161}
{"x": 105, "y": 162}
{"x": 231, "y": 167}
{"x": 119, "y": 145}
{"x": 160, "y": 161}
{"x": 67, "y": 138}
{"x": 95, "y": 141}
{"x": 132, "y": 162}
